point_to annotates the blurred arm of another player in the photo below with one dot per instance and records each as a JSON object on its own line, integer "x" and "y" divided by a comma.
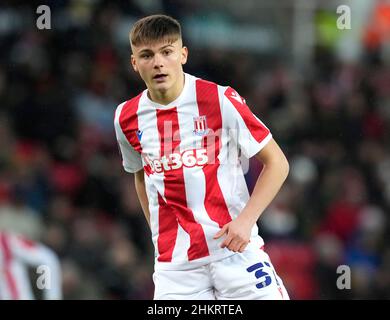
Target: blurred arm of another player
{"x": 36, "y": 254}
{"x": 139, "y": 181}
{"x": 270, "y": 180}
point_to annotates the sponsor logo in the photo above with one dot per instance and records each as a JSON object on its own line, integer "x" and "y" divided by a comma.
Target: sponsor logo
{"x": 237, "y": 97}
{"x": 174, "y": 161}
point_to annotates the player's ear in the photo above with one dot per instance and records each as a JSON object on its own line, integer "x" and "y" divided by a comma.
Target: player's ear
{"x": 184, "y": 55}
{"x": 133, "y": 63}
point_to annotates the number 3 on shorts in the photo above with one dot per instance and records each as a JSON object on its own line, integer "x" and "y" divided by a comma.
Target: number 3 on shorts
{"x": 260, "y": 273}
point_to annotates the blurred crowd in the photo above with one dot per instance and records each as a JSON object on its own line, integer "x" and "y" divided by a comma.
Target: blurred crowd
{"x": 61, "y": 180}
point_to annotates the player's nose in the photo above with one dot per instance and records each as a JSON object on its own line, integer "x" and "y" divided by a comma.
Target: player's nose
{"x": 158, "y": 62}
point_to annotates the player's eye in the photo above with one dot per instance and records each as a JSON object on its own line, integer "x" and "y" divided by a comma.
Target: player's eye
{"x": 145, "y": 56}
{"x": 167, "y": 52}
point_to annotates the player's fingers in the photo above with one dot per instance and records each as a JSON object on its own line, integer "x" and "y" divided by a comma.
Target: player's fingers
{"x": 221, "y": 232}
{"x": 226, "y": 242}
{"x": 242, "y": 248}
{"x": 234, "y": 245}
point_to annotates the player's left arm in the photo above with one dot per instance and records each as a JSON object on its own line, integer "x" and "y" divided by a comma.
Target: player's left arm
{"x": 254, "y": 139}
{"x": 268, "y": 184}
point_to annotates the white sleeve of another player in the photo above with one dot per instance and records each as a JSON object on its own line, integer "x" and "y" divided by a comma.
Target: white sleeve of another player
{"x": 247, "y": 130}
{"x": 46, "y": 262}
{"x": 131, "y": 159}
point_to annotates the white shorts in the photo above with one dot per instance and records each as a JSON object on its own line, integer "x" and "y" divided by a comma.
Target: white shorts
{"x": 241, "y": 276}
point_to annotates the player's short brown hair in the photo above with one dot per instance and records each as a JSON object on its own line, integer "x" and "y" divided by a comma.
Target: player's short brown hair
{"x": 155, "y": 28}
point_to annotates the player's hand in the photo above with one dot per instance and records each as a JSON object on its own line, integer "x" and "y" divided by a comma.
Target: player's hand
{"x": 238, "y": 232}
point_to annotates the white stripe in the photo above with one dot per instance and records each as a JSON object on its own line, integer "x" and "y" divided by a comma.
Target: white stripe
{"x": 230, "y": 175}
{"x": 4, "y": 292}
{"x": 229, "y": 171}
{"x": 150, "y": 144}
{"x": 128, "y": 152}
{"x": 151, "y": 192}
{"x": 118, "y": 112}
{"x": 22, "y": 281}
{"x": 182, "y": 245}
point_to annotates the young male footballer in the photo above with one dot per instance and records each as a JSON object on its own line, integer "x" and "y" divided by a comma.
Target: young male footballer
{"x": 180, "y": 137}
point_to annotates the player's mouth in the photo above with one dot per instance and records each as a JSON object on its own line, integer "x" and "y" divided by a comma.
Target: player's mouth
{"x": 160, "y": 77}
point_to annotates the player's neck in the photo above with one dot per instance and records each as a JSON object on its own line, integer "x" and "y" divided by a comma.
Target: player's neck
{"x": 167, "y": 96}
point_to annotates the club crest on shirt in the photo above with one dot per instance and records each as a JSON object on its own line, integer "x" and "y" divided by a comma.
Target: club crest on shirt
{"x": 200, "y": 126}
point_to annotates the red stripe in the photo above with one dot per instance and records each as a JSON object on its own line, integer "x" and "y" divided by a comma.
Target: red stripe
{"x": 257, "y": 130}
{"x": 280, "y": 291}
{"x": 208, "y": 105}
{"x": 7, "y": 266}
{"x": 27, "y": 243}
{"x": 167, "y": 231}
{"x": 175, "y": 191}
{"x": 128, "y": 120}
{"x": 168, "y": 224}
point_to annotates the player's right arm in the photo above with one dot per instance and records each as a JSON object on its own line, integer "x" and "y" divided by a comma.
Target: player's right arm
{"x": 132, "y": 163}
{"x": 139, "y": 181}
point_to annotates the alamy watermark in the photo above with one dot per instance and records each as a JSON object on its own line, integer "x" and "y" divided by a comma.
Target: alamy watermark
{"x": 213, "y": 147}
{"x": 344, "y": 19}
{"x": 344, "y": 280}
{"x": 44, "y": 280}
{"x": 44, "y": 18}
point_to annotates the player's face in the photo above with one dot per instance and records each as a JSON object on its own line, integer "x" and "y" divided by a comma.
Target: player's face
{"x": 160, "y": 64}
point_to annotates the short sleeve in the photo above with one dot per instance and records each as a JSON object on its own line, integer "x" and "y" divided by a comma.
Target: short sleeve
{"x": 131, "y": 159}
{"x": 248, "y": 131}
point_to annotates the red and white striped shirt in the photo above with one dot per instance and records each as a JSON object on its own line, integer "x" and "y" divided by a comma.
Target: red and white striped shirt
{"x": 194, "y": 180}
{"x": 17, "y": 255}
